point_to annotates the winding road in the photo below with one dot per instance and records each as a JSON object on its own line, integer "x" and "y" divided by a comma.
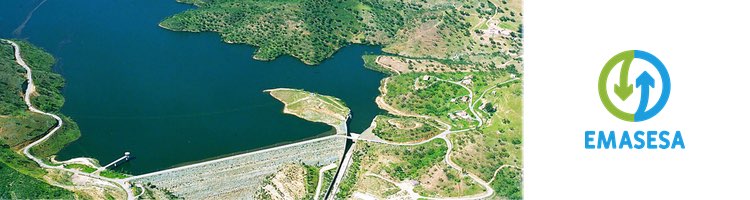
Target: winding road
{"x": 444, "y": 136}
{"x": 31, "y": 89}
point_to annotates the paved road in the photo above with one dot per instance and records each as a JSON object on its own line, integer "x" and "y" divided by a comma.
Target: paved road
{"x": 321, "y": 178}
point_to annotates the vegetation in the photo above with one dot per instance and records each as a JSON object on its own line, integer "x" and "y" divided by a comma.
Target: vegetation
{"x": 421, "y": 163}
{"x": 19, "y": 163}
{"x": 404, "y": 129}
{"x": 508, "y": 183}
{"x": 349, "y": 181}
{"x": 370, "y": 63}
{"x": 67, "y": 134}
{"x": 48, "y": 83}
{"x": 16, "y": 185}
{"x": 378, "y": 187}
{"x": 313, "y": 30}
{"x": 23, "y": 127}
{"x": 81, "y": 167}
{"x": 441, "y": 96}
{"x": 443, "y": 181}
{"x": 327, "y": 181}
{"x": 431, "y": 97}
{"x": 309, "y": 30}
{"x": 153, "y": 192}
{"x": 480, "y": 150}
{"x": 11, "y": 79}
{"x": 414, "y": 161}
{"x": 311, "y": 180}
{"x": 499, "y": 141}
{"x": 137, "y": 190}
{"x": 113, "y": 174}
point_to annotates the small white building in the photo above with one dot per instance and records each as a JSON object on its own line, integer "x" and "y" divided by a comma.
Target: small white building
{"x": 463, "y": 114}
{"x": 467, "y": 80}
{"x": 504, "y": 32}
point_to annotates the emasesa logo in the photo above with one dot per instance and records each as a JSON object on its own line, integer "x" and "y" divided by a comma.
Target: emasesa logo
{"x": 624, "y": 89}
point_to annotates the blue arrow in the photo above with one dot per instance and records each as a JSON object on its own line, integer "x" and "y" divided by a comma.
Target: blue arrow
{"x": 645, "y": 82}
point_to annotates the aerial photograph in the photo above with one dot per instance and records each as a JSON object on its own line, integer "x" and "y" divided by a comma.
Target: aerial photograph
{"x": 261, "y": 99}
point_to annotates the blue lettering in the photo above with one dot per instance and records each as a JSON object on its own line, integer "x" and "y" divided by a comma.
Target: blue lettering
{"x": 588, "y": 139}
{"x": 650, "y": 139}
{"x": 662, "y": 137}
{"x": 625, "y": 140}
{"x": 678, "y": 140}
{"x": 604, "y": 141}
{"x": 639, "y": 139}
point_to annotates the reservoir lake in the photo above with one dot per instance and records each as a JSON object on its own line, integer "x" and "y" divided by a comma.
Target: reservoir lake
{"x": 172, "y": 98}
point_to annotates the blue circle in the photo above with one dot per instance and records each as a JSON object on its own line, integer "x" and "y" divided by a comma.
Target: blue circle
{"x": 648, "y": 114}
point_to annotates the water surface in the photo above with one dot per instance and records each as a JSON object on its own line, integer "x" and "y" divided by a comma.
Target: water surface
{"x": 175, "y": 97}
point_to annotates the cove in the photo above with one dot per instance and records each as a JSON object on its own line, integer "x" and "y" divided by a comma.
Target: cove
{"x": 172, "y": 98}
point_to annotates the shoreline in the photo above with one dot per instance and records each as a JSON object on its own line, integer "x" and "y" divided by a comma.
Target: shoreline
{"x": 31, "y": 89}
{"x": 341, "y": 129}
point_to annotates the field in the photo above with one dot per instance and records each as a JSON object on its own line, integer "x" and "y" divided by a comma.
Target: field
{"x": 18, "y": 130}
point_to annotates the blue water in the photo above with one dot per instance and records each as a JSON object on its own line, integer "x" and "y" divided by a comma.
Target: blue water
{"x": 173, "y": 97}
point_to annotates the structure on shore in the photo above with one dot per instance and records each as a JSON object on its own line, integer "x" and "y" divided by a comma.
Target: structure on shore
{"x": 122, "y": 159}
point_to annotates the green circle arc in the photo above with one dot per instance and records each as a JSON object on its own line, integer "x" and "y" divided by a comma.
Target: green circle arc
{"x": 630, "y": 54}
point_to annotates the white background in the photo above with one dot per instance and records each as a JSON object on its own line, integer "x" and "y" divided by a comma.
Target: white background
{"x": 705, "y": 46}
